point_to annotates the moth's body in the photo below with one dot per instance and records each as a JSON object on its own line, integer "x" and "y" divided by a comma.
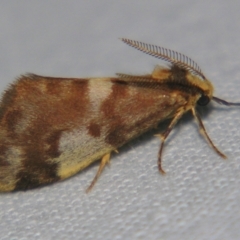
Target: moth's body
{"x": 51, "y": 128}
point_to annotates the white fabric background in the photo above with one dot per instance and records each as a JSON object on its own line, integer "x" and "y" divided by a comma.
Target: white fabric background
{"x": 199, "y": 197}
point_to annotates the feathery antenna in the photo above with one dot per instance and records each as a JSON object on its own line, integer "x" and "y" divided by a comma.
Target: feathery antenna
{"x": 171, "y": 56}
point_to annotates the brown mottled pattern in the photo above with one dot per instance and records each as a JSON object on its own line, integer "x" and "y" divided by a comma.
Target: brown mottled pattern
{"x": 119, "y": 93}
{"x": 137, "y": 108}
{"x": 94, "y": 129}
{"x": 12, "y": 118}
{"x": 3, "y": 160}
{"x": 52, "y": 142}
{"x": 35, "y": 171}
{"x": 53, "y": 105}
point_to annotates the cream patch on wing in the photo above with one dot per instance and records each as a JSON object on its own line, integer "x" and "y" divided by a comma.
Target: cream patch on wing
{"x": 71, "y": 140}
{"x": 14, "y": 155}
{"x": 99, "y": 90}
{"x": 79, "y": 149}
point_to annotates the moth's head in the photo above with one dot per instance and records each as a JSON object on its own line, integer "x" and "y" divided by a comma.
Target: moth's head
{"x": 207, "y": 95}
{"x": 207, "y": 92}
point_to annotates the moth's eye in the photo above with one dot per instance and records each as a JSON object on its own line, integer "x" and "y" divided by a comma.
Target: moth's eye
{"x": 203, "y": 100}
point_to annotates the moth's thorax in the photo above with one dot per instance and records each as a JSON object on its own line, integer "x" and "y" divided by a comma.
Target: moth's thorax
{"x": 183, "y": 81}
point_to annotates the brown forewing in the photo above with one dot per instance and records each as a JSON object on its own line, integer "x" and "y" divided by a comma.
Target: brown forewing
{"x": 38, "y": 112}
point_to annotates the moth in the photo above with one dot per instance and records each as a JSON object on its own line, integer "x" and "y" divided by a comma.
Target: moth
{"x": 51, "y": 128}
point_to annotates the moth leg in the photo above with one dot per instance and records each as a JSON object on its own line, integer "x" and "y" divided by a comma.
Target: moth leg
{"x": 105, "y": 160}
{"x": 204, "y": 133}
{"x": 164, "y": 137}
